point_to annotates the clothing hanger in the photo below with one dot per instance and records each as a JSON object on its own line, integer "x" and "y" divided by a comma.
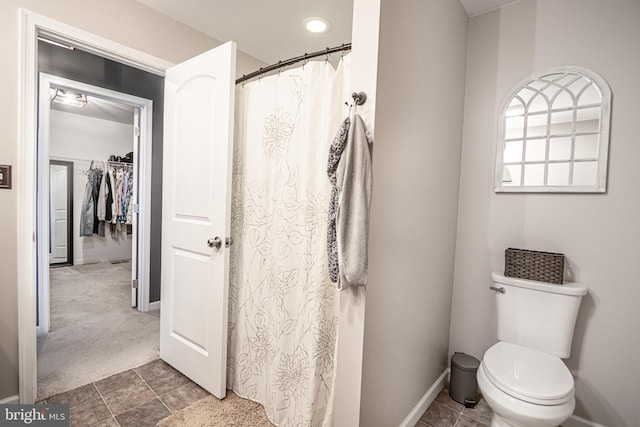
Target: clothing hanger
{"x": 88, "y": 171}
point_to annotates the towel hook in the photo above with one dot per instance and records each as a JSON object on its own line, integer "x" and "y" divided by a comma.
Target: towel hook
{"x": 359, "y": 97}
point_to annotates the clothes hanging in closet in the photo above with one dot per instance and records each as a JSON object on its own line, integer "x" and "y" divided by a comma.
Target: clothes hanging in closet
{"x": 95, "y": 194}
{"x": 107, "y": 200}
{"x": 88, "y": 216}
{"x": 121, "y": 208}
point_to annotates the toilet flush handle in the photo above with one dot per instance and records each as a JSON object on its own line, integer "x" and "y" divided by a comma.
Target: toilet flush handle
{"x": 498, "y": 289}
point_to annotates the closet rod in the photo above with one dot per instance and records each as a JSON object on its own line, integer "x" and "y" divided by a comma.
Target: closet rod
{"x": 77, "y": 160}
{"x": 119, "y": 163}
{"x": 291, "y": 61}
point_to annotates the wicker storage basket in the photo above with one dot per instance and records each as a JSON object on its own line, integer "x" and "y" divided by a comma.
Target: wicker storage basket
{"x": 534, "y": 265}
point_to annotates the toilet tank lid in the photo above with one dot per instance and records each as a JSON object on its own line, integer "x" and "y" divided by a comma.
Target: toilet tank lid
{"x": 569, "y": 288}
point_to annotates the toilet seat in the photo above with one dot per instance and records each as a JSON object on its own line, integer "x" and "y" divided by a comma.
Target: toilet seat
{"x": 528, "y": 375}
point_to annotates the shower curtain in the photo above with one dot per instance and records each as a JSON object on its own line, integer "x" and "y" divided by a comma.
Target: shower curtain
{"x": 283, "y": 309}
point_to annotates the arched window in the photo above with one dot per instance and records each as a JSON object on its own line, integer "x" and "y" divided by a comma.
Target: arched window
{"x": 554, "y": 133}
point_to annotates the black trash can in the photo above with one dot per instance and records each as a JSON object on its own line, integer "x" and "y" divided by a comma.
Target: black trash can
{"x": 463, "y": 386}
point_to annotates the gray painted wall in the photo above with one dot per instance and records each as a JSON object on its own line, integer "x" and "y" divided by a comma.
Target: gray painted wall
{"x": 599, "y": 234}
{"x": 416, "y": 167}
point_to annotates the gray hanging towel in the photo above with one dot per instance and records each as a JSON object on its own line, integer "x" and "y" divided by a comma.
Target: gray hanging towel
{"x": 335, "y": 151}
{"x": 354, "y": 183}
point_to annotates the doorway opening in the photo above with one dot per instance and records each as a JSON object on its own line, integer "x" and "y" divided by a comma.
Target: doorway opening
{"x": 92, "y": 247}
{"x": 138, "y": 73}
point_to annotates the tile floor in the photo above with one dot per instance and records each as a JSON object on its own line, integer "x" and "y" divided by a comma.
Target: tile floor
{"x": 142, "y": 396}
{"x": 139, "y": 397}
{"x": 446, "y": 412}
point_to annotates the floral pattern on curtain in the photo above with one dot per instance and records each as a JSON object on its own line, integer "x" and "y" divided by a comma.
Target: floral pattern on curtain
{"x": 282, "y": 306}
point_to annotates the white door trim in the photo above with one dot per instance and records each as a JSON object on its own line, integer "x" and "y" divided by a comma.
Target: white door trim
{"x": 32, "y": 25}
{"x": 142, "y": 173}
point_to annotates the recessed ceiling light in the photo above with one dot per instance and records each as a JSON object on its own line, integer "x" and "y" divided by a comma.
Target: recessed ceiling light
{"x": 316, "y": 25}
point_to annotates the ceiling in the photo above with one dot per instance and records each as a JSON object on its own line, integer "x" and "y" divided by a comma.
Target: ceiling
{"x": 276, "y": 32}
{"x": 268, "y": 30}
{"x": 272, "y": 30}
{"x": 478, "y": 7}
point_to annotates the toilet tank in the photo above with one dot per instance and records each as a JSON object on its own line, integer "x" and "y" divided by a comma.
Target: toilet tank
{"x": 537, "y": 315}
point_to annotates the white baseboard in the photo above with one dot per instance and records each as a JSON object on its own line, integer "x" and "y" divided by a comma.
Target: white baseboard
{"x": 154, "y": 305}
{"x": 576, "y": 421}
{"x": 11, "y": 400}
{"x": 426, "y": 401}
{"x": 82, "y": 261}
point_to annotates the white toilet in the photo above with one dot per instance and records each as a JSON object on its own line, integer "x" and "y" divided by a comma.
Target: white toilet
{"x": 522, "y": 377}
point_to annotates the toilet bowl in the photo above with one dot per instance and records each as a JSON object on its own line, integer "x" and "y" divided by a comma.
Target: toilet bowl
{"x": 525, "y": 387}
{"x": 523, "y": 377}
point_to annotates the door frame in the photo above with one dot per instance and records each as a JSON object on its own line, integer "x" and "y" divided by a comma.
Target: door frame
{"x": 33, "y": 25}
{"x": 141, "y": 247}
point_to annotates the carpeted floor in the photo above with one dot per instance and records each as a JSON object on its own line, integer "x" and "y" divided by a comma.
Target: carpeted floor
{"x": 94, "y": 331}
{"x": 232, "y": 411}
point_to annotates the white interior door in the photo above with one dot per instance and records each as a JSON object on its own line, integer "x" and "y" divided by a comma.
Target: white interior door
{"x": 198, "y": 140}
{"x": 59, "y": 214}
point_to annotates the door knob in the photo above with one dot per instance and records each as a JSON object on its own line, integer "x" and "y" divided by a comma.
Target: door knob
{"x": 215, "y": 243}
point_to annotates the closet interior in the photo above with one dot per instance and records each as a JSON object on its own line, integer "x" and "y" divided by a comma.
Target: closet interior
{"x": 97, "y": 140}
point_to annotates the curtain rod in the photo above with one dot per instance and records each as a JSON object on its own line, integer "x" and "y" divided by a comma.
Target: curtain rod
{"x": 291, "y": 61}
